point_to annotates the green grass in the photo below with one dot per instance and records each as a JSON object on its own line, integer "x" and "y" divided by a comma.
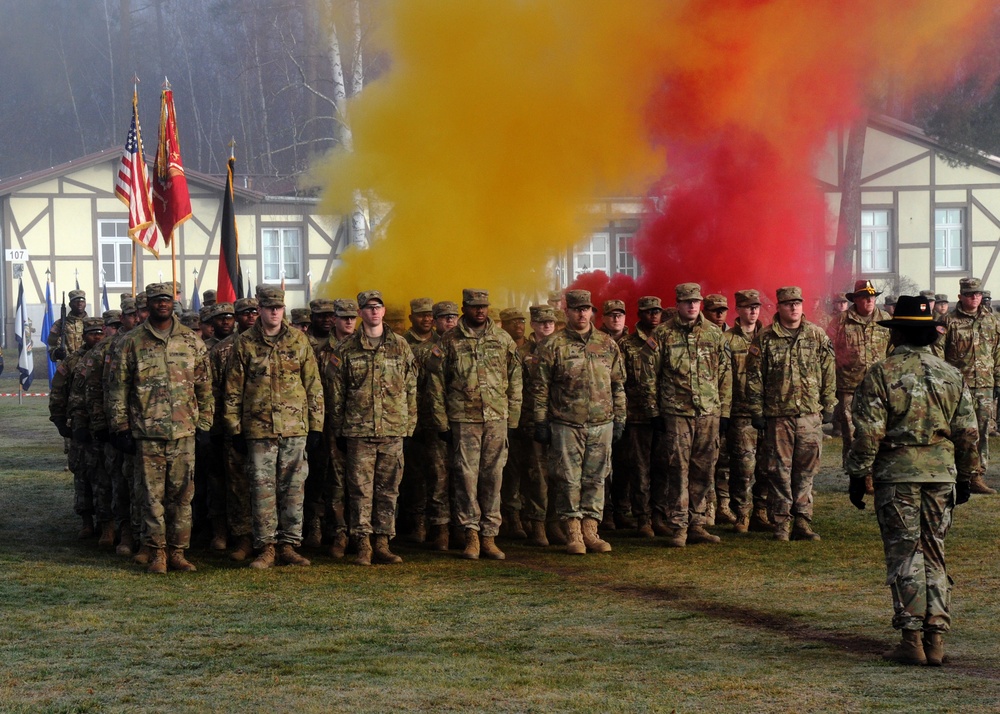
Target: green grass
{"x": 746, "y": 626}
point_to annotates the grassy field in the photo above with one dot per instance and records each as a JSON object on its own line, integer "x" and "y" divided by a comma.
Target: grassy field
{"x": 749, "y": 625}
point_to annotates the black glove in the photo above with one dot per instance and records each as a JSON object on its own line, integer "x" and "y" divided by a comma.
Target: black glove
{"x": 445, "y": 436}
{"x": 856, "y": 492}
{"x": 828, "y": 417}
{"x": 240, "y": 444}
{"x": 342, "y": 444}
{"x": 82, "y": 435}
{"x": 124, "y": 442}
{"x": 202, "y": 439}
{"x": 758, "y": 423}
{"x": 58, "y": 354}
{"x": 617, "y": 433}
{"x": 963, "y": 489}
{"x": 103, "y": 436}
{"x": 723, "y": 425}
{"x": 659, "y": 424}
{"x": 543, "y": 432}
{"x": 314, "y": 440}
{"x": 62, "y": 428}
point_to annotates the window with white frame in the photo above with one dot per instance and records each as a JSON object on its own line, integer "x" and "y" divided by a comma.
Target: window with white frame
{"x": 626, "y": 263}
{"x": 116, "y": 252}
{"x": 875, "y": 234}
{"x": 592, "y": 255}
{"x": 282, "y": 251}
{"x": 949, "y": 239}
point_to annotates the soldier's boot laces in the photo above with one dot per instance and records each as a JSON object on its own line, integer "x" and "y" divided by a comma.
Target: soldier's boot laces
{"x": 538, "y": 536}
{"x": 934, "y": 648}
{"x": 264, "y": 559}
{"x": 363, "y": 545}
{"x": 419, "y": 532}
{"x": 742, "y": 524}
{"x": 339, "y": 546}
{"x": 783, "y": 530}
{"x": 759, "y": 522}
{"x": 287, "y": 556}
{"x": 243, "y": 549}
{"x": 144, "y": 555}
{"x": 178, "y": 562}
{"x": 107, "y": 539}
{"x": 802, "y": 530}
{"x": 125, "y": 541}
{"x": 660, "y": 526}
{"x": 697, "y": 534}
{"x": 441, "y": 538}
{"x": 555, "y": 532}
{"x": 157, "y": 561}
{"x": 869, "y": 485}
{"x": 488, "y": 549}
{"x": 574, "y": 537}
{"x": 724, "y": 514}
{"x": 381, "y": 552}
{"x": 87, "y": 530}
{"x": 643, "y": 528}
{"x": 314, "y": 533}
{"x": 471, "y": 551}
{"x": 593, "y": 542}
{"x": 910, "y": 649}
{"x": 977, "y": 485}
{"x": 220, "y": 534}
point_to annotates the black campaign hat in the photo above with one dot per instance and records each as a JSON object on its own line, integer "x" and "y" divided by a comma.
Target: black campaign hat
{"x": 911, "y": 312}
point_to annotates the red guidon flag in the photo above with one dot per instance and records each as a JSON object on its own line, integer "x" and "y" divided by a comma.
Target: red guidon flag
{"x": 132, "y": 187}
{"x": 171, "y": 202}
{"x": 229, "y": 257}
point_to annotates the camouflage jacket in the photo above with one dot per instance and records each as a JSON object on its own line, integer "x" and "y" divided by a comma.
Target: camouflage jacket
{"x": 739, "y": 345}
{"x": 528, "y": 355}
{"x": 972, "y": 343}
{"x": 76, "y": 405}
{"x": 211, "y": 342}
{"x": 273, "y": 386}
{"x": 580, "y": 380}
{"x": 218, "y": 359}
{"x": 412, "y": 339}
{"x": 791, "y": 373}
{"x": 94, "y": 394}
{"x": 858, "y": 343}
{"x": 61, "y": 384}
{"x": 695, "y": 371}
{"x": 641, "y": 355}
{"x": 428, "y": 358}
{"x": 74, "y": 333}
{"x": 110, "y": 368}
{"x": 160, "y": 388}
{"x": 915, "y": 421}
{"x": 479, "y": 379}
{"x": 371, "y": 387}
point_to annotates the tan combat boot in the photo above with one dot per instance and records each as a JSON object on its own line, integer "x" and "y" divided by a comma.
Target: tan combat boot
{"x": 286, "y": 555}
{"x": 977, "y": 485}
{"x": 934, "y": 648}
{"x": 910, "y": 649}
{"x": 381, "y": 552}
{"x": 517, "y": 531}
{"x": 555, "y": 532}
{"x": 759, "y": 522}
{"x": 364, "y": 547}
{"x": 724, "y": 514}
{"x": 643, "y": 528}
{"x": 471, "y": 551}
{"x": 697, "y": 534}
{"x": 488, "y": 548}
{"x": 660, "y": 526}
{"x": 178, "y": 562}
{"x": 144, "y": 555}
{"x": 574, "y": 537}
{"x": 125, "y": 542}
{"x": 157, "y": 561}
{"x": 608, "y": 522}
{"x": 107, "y": 537}
{"x": 538, "y": 537}
{"x": 87, "y": 530}
{"x": 802, "y": 531}
{"x": 265, "y": 558}
{"x": 593, "y": 542}
{"x": 314, "y": 533}
{"x": 742, "y": 524}
{"x": 783, "y": 530}
{"x": 419, "y": 532}
{"x": 339, "y": 546}
{"x": 441, "y": 538}
{"x": 710, "y": 510}
{"x": 243, "y": 550}
{"x": 220, "y": 534}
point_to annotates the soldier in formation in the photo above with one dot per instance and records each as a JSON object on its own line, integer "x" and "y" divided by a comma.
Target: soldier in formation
{"x": 66, "y": 336}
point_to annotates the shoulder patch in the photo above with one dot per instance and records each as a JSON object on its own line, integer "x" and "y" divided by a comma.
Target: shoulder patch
{"x": 436, "y": 351}
{"x": 334, "y": 360}
{"x": 652, "y": 343}
{"x": 754, "y": 350}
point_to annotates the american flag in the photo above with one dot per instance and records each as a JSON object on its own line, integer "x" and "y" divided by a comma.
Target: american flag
{"x": 132, "y": 187}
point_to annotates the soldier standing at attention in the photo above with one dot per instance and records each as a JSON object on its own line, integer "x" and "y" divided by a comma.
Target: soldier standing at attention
{"x": 372, "y": 399}
{"x": 300, "y": 319}
{"x": 513, "y": 321}
{"x": 321, "y": 320}
{"x": 515, "y": 471}
{"x": 322, "y": 316}
{"x": 940, "y": 305}
{"x": 274, "y": 411}
{"x": 617, "y": 501}
{"x": 579, "y": 406}
{"x": 791, "y": 388}
{"x": 971, "y": 342}
{"x": 160, "y": 402}
{"x": 73, "y": 327}
{"x": 477, "y": 399}
{"x": 205, "y": 326}
{"x": 716, "y": 307}
{"x": 916, "y": 425}
{"x": 413, "y": 489}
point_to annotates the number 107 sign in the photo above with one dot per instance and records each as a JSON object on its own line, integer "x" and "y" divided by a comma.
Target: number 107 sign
{"x": 17, "y": 255}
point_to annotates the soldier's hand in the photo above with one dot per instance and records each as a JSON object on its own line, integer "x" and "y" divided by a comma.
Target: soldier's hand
{"x": 240, "y": 444}
{"x": 342, "y": 444}
{"x": 445, "y": 436}
{"x": 659, "y": 424}
{"x": 314, "y": 440}
{"x": 618, "y": 432}
{"x": 856, "y": 492}
{"x": 63, "y": 429}
{"x": 723, "y": 425}
{"x": 58, "y": 354}
{"x": 124, "y": 442}
{"x": 963, "y": 490}
{"x": 828, "y": 417}
{"x": 759, "y": 423}
{"x": 82, "y": 435}
{"x": 543, "y": 432}
{"x": 202, "y": 439}
{"x": 103, "y": 436}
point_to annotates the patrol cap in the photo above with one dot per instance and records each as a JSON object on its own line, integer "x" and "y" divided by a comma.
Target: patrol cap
{"x": 911, "y": 312}
{"x": 650, "y": 302}
{"x": 93, "y": 324}
{"x": 300, "y": 316}
{"x": 967, "y": 286}
{"x": 509, "y": 314}
{"x": 929, "y": 294}
{"x": 986, "y": 295}
{"x": 366, "y": 296}
{"x": 475, "y": 298}
{"x": 158, "y": 290}
{"x": 863, "y": 288}
{"x": 189, "y": 318}
{"x": 245, "y": 305}
{"x": 613, "y": 306}
{"x": 542, "y": 313}
{"x": 345, "y": 307}
{"x": 940, "y": 297}
{"x": 578, "y": 299}
{"x": 270, "y": 296}
{"x": 322, "y": 306}
{"x": 205, "y": 313}
{"x": 716, "y": 301}
{"x": 840, "y": 297}
{"x": 141, "y": 301}
{"x": 445, "y": 307}
{"x": 791, "y": 293}
{"x": 77, "y": 295}
{"x": 128, "y": 305}
{"x": 222, "y": 309}
{"x": 747, "y": 298}
{"x": 688, "y": 291}
{"x": 560, "y": 315}
{"x": 112, "y": 317}
{"x": 555, "y": 296}
{"x": 890, "y": 300}
{"x": 421, "y": 305}
{"x": 209, "y": 297}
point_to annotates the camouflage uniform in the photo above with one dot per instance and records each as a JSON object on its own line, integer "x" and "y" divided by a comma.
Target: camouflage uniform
{"x": 239, "y": 520}
{"x": 83, "y": 496}
{"x": 528, "y": 492}
{"x": 915, "y": 423}
{"x": 74, "y": 333}
{"x": 747, "y": 471}
{"x": 92, "y": 451}
{"x": 430, "y": 454}
{"x": 641, "y": 357}
{"x": 129, "y": 483}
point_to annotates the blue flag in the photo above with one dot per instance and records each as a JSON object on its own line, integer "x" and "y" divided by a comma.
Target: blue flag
{"x": 104, "y": 298}
{"x": 25, "y": 360}
{"x": 195, "y": 298}
{"x": 47, "y": 323}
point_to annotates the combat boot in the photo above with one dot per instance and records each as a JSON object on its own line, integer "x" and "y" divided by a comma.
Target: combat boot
{"x": 697, "y": 534}
{"x": 676, "y": 538}
{"x": 869, "y": 485}
{"x": 742, "y": 524}
{"x": 759, "y": 522}
{"x": 471, "y": 551}
{"x": 802, "y": 531}
{"x": 177, "y": 561}
{"x": 382, "y": 554}
{"x": 87, "y": 531}
{"x": 125, "y": 542}
{"x": 710, "y": 511}
{"x": 537, "y": 537}
{"x": 286, "y": 555}
{"x": 488, "y": 549}
{"x": 144, "y": 555}
{"x": 314, "y": 533}
{"x": 419, "y": 532}
{"x": 363, "y": 544}
{"x": 243, "y": 550}
{"x": 220, "y": 534}
{"x": 574, "y": 537}
{"x": 625, "y": 521}
{"x": 608, "y": 521}
{"x": 591, "y": 540}
{"x": 555, "y": 532}
{"x": 643, "y": 529}
{"x": 934, "y": 648}
{"x": 660, "y": 526}
{"x": 910, "y": 649}
{"x": 723, "y": 514}
{"x": 339, "y": 546}
{"x": 107, "y": 539}
{"x": 441, "y": 538}
{"x": 157, "y": 561}
{"x": 783, "y": 530}
{"x": 457, "y": 540}
{"x": 265, "y": 558}
{"x": 976, "y": 485}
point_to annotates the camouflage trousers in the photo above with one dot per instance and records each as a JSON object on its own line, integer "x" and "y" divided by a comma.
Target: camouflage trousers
{"x": 336, "y": 490}
{"x": 844, "y": 417}
{"x": 720, "y": 486}
{"x": 618, "y": 487}
{"x": 277, "y": 471}
{"x": 524, "y": 489}
{"x": 478, "y": 454}
{"x": 374, "y": 472}
{"x": 239, "y": 511}
{"x": 687, "y": 456}
{"x": 83, "y": 488}
{"x": 648, "y": 487}
{"x": 579, "y": 463}
{"x": 134, "y": 478}
{"x": 316, "y": 490}
{"x": 794, "y": 446}
{"x": 747, "y": 466}
{"x": 121, "y": 486}
{"x": 413, "y": 487}
{"x": 914, "y": 519}
{"x": 100, "y": 481}
{"x": 209, "y": 485}
{"x": 983, "y": 401}
{"x": 433, "y": 455}
{"x": 166, "y": 469}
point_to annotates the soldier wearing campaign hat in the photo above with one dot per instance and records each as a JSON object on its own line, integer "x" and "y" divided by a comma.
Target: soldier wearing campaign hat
{"x": 59, "y": 347}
